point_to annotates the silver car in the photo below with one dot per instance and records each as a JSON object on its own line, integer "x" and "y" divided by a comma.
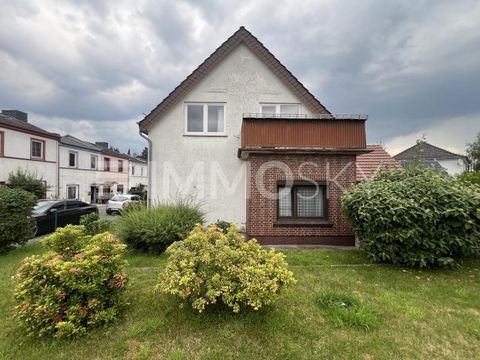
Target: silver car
{"x": 116, "y": 203}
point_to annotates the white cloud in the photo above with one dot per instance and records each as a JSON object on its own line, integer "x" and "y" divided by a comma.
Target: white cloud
{"x": 452, "y": 134}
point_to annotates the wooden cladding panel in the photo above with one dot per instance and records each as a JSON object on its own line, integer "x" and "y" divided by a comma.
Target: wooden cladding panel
{"x": 303, "y": 133}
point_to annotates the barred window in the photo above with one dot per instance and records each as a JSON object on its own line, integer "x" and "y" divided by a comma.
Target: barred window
{"x": 302, "y": 201}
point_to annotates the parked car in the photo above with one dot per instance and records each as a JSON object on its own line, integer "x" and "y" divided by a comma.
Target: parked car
{"x": 49, "y": 214}
{"x": 115, "y": 204}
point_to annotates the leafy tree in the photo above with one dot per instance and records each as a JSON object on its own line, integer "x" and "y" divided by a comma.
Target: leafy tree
{"x": 473, "y": 154}
{"x": 144, "y": 154}
{"x": 28, "y": 181}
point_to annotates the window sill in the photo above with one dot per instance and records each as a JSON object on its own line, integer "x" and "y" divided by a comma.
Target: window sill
{"x": 205, "y": 135}
{"x": 302, "y": 223}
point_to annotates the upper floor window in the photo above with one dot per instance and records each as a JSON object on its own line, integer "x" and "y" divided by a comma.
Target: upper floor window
{"x": 120, "y": 166}
{"x": 106, "y": 164}
{"x": 93, "y": 162}
{"x": 37, "y": 149}
{"x": 133, "y": 170}
{"x": 72, "y": 159}
{"x": 277, "y": 109}
{"x": 205, "y": 119}
{"x": 141, "y": 171}
{"x": 2, "y": 143}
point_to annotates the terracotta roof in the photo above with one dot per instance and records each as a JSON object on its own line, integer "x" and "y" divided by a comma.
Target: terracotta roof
{"x": 369, "y": 164}
{"x": 23, "y": 126}
{"x": 241, "y": 36}
{"x": 425, "y": 151}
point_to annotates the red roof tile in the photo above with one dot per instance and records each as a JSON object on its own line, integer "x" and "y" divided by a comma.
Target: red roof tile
{"x": 369, "y": 164}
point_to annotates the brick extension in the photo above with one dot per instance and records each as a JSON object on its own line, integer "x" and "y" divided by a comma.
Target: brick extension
{"x": 262, "y": 221}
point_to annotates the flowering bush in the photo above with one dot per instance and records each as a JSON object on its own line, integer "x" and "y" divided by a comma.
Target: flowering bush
{"x": 210, "y": 266}
{"x": 75, "y": 286}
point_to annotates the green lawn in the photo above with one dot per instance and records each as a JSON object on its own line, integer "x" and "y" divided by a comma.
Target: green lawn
{"x": 402, "y": 313}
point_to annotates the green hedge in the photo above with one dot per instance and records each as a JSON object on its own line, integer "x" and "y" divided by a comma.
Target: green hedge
{"x": 154, "y": 229}
{"x": 16, "y": 226}
{"x": 417, "y": 217}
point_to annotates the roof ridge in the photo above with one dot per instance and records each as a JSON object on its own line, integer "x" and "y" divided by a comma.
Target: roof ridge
{"x": 259, "y": 49}
{"x": 433, "y": 146}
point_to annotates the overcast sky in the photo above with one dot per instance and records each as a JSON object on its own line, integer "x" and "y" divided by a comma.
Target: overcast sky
{"x": 91, "y": 68}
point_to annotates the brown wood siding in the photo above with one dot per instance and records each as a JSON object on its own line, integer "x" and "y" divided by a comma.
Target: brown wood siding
{"x": 303, "y": 133}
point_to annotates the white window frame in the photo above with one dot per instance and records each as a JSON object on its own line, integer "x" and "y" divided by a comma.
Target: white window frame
{"x": 76, "y": 187}
{"x": 278, "y": 105}
{"x": 205, "y": 131}
{"x": 42, "y": 149}
{"x": 96, "y": 162}
{"x": 76, "y": 159}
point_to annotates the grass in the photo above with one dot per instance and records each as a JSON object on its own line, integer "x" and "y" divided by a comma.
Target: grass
{"x": 342, "y": 307}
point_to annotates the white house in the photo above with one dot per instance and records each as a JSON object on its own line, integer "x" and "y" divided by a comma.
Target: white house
{"x": 433, "y": 156}
{"x": 79, "y": 168}
{"x": 25, "y": 146}
{"x": 241, "y": 115}
{"x": 91, "y": 172}
{"x": 137, "y": 173}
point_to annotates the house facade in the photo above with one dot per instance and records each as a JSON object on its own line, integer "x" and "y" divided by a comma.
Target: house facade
{"x": 433, "y": 156}
{"x": 137, "y": 173}
{"x": 91, "y": 172}
{"x": 27, "y": 147}
{"x": 247, "y": 140}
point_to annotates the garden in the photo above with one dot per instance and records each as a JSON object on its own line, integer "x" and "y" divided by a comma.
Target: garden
{"x": 160, "y": 286}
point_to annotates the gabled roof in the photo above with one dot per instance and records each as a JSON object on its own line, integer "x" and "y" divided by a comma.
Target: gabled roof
{"x": 369, "y": 164}
{"x": 69, "y": 140}
{"x": 241, "y": 36}
{"x": 434, "y": 164}
{"x": 23, "y": 126}
{"x": 425, "y": 151}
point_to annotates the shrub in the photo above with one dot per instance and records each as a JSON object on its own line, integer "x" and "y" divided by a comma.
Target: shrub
{"x": 16, "y": 225}
{"x": 94, "y": 225}
{"x": 416, "y": 217}
{"x": 154, "y": 229}
{"x": 211, "y": 267}
{"x": 29, "y": 182}
{"x": 75, "y": 286}
{"x": 472, "y": 177}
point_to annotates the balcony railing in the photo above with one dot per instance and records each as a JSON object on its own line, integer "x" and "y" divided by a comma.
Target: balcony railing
{"x": 305, "y": 116}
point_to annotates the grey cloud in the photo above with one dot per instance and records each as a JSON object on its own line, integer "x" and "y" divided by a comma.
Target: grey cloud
{"x": 409, "y": 65}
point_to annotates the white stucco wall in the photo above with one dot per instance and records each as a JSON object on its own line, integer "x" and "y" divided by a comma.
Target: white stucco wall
{"x": 242, "y": 82}
{"x": 17, "y": 155}
{"x": 453, "y": 166}
{"x": 84, "y": 177}
{"x": 140, "y": 176}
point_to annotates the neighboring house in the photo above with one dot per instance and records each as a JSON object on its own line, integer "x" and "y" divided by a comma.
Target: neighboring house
{"x": 137, "y": 173}
{"x": 433, "y": 156}
{"x": 113, "y": 172}
{"x": 245, "y": 138}
{"x": 26, "y": 146}
{"x": 79, "y": 168}
{"x": 368, "y": 165}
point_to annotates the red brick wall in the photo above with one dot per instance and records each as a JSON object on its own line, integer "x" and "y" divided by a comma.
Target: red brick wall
{"x": 337, "y": 170}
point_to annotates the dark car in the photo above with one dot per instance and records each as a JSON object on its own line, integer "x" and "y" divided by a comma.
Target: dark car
{"x": 50, "y": 213}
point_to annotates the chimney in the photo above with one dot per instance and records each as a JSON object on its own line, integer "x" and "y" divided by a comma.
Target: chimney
{"x": 17, "y": 114}
{"x": 103, "y": 145}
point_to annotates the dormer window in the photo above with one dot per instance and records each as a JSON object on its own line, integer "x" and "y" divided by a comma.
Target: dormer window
{"x": 279, "y": 109}
{"x": 205, "y": 119}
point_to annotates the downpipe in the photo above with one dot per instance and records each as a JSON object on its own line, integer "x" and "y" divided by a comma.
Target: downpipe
{"x": 149, "y": 168}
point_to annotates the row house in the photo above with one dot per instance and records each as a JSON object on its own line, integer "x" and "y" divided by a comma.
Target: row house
{"x": 71, "y": 168}
{"x": 27, "y": 147}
